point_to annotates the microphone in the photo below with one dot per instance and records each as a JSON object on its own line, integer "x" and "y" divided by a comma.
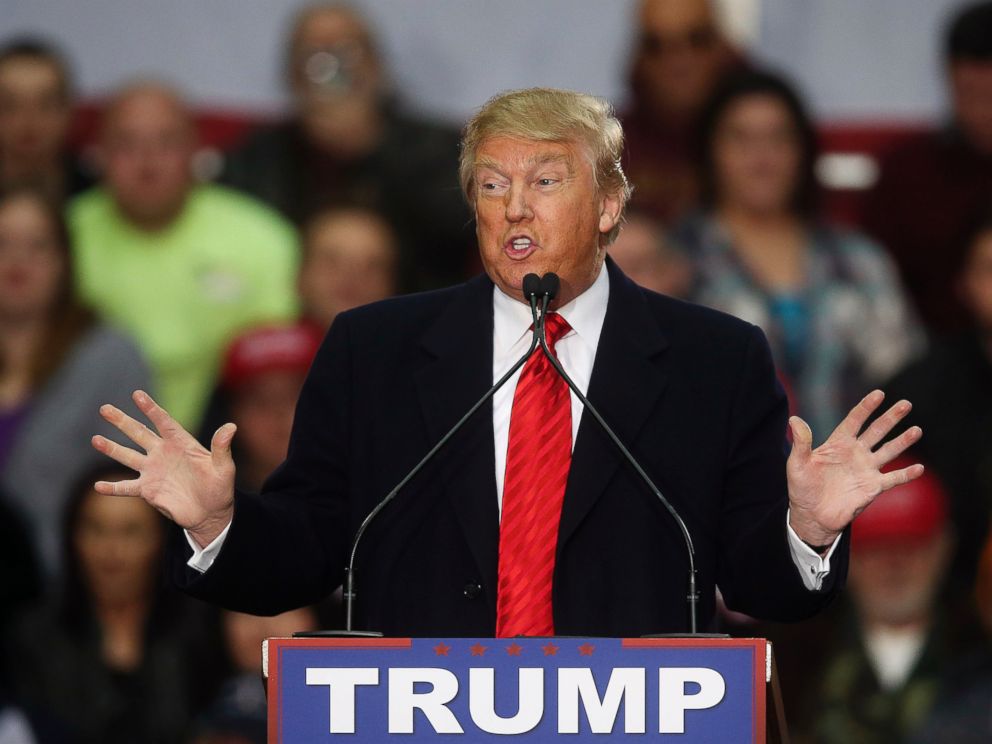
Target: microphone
{"x": 550, "y": 285}
{"x": 533, "y": 288}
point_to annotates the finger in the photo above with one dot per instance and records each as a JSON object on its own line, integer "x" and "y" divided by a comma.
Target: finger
{"x": 158, "y": 415}
{"x": 134, "y": 430}
{"x": 852, "y": 423}
{"x": 901, "y": 477}
{"x": 124, "y": 455}
{"x": 119, "y": 488}
{"x": 802, "y": 438}
{"x": 880, "y": 427}
{"x": 220, "y": 445}
{"x": 892, "y": 449}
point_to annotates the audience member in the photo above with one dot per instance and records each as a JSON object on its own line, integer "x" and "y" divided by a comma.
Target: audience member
{"x": 828, "y": 300}
{"x": 930, "y": 187}
{"x": 20, "y": 579}
{"x": 349, "y": 259}
{"x": 681, "y": 56}
{"x": 963, "y": 712}
{"x": 951, "y": 387}
{"x": 182, "y": 266}
{"x": 118, "y": 657}
{"x": 35, "y": 112}
{"x": 349, "y": 142}
{"x": 57, "y": 365}
{"x": 262, "y": 377}
{"x": 883, "y": 674}
{"x": 646, "y": 255}
{"x": 238, "y": 715}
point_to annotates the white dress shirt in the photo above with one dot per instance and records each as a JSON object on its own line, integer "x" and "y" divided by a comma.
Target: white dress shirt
{"x": 576, "y": 351}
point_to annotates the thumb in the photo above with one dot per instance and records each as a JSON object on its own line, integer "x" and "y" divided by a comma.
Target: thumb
{"x": 220, "y": 445}
{"x": 802, "y": 438}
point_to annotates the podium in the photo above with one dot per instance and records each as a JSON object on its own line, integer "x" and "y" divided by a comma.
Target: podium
{"x": 690, "y": 690}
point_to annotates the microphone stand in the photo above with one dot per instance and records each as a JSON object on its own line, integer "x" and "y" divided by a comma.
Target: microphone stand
{"x": 549, "y": 289}
{"x": 531, "y": 286}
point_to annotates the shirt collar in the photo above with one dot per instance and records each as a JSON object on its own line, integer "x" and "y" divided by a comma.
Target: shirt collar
{"x": 585, "y": 314}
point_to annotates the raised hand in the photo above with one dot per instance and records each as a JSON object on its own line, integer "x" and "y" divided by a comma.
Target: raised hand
{"x": 830, "y": 485}
{"x": 190, "y": 485}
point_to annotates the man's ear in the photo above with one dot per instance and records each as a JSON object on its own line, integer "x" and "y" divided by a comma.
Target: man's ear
{"x": 609, "y": 212}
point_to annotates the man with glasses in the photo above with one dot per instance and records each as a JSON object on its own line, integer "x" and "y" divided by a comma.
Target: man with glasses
{"x": 680, "y": 57}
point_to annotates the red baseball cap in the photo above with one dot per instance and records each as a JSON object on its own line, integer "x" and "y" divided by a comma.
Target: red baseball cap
{"x": 914, "y": 511}
{"x": 269, "y": 349}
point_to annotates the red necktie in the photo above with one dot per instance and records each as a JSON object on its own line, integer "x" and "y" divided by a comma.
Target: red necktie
{"x": 537, "y": 462}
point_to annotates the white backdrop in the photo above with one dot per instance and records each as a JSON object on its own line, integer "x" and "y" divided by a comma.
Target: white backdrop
{"x": 857, "y": 59}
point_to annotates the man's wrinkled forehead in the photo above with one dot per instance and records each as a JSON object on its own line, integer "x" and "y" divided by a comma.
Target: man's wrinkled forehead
{"x": 486, "y": 162}
{"x": 504, "y": 153}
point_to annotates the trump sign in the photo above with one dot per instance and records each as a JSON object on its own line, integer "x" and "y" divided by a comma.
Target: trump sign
{"x": 486, "y": 690}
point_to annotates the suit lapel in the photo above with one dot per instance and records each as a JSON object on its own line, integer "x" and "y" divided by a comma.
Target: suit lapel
{"x": 626, "y": 382}
{"x": 457, "y": 370}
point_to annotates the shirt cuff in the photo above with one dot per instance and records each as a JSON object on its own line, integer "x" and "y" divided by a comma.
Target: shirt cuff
{"x": 813, "y": 567}
{"x": 203, "y": 558}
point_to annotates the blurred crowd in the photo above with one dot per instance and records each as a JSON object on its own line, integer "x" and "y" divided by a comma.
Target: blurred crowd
{"x": 122, "y": 270}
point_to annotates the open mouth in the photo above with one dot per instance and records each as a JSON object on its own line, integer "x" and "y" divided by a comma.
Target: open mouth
{"x": 520, "y": 247}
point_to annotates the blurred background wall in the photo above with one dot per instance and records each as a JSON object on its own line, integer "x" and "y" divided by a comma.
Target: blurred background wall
{"x": 450, "y": 55}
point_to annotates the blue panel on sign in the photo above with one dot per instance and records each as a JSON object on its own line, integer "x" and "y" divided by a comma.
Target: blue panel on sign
{"x": 486, "y": 690}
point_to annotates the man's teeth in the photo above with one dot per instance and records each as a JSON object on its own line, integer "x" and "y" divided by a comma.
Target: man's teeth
{"x": 521, "y": 243}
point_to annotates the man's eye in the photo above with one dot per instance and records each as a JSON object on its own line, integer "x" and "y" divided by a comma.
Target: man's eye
{"x": 547, "y": 181}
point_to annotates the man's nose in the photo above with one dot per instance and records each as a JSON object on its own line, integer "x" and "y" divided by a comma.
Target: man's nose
{"x": 517, "y": 204}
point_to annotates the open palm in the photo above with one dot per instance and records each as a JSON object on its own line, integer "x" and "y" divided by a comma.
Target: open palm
{"x": 830, "y": 485}
{"x": 192, "y": 486}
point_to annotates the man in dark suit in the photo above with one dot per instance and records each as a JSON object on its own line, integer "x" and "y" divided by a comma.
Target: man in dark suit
{"x": 529, "y": 522}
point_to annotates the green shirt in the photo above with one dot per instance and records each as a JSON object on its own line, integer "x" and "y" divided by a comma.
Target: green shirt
{"x": 226, "y": 263}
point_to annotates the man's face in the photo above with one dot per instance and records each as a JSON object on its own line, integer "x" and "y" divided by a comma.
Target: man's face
{"x": 537, "y": 210}
{"x": 682, "y": 54}
{"x": 895, "y": 583}
{"x": 34, "y": 114}
{"x": 643, "y": 254}
{"x": 350, "y": 261}
{"x": 971, "y": 92}
{"x": 147, "y": 145}
{"x": 334, "y": 73}
{"x": 263, "y": 410}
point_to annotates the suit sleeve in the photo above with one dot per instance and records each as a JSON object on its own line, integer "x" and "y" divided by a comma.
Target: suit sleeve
{"x": 756, "y": 573}
{"x": 287, "y": 546}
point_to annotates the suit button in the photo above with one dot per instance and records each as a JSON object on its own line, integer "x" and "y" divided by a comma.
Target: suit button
{"x": 472, "y": 590}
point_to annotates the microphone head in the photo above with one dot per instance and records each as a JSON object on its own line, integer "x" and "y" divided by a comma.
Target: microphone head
{"x": 550, "y": 284}
{"x": 531, "y": 286}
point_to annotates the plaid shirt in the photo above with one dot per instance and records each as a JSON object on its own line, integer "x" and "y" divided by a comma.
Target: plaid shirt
{"x": 850, "y": 327}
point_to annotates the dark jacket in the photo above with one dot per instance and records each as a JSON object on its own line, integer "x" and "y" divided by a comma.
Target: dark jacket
{"x": 410, "y": 177}
{"x": 690, "y": 390}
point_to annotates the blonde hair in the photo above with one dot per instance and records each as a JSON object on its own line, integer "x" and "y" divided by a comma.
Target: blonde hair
{"x": 551, "y": 115}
